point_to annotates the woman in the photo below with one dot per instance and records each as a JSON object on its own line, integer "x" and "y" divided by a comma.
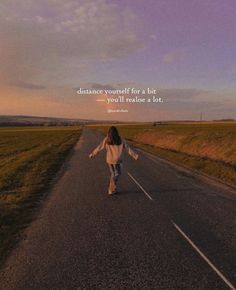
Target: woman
{"x": 114, "y": 146}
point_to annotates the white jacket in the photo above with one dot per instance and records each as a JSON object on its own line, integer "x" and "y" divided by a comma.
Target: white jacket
{"x": 114, "y": 152}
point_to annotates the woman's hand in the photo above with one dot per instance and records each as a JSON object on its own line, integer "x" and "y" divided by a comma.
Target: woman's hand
{"x": 136, "y": 157}
{"x": 90, "y": 155}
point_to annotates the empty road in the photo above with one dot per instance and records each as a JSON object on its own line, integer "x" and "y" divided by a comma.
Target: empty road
{"x": 167, "y": 229}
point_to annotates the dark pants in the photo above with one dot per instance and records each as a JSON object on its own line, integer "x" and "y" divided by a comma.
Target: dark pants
{"x": 115, "y": 170}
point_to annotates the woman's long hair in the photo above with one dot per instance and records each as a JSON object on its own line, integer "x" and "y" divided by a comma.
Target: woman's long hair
{"x": 113, "y": 137}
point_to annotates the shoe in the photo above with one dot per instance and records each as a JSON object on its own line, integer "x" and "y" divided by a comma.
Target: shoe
{"x": 111, "y": 192}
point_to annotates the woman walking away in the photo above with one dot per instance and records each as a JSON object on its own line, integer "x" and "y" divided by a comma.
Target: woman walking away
{"x": 114, "y": 146}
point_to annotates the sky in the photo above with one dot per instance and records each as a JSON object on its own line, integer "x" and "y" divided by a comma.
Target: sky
{"x": 185, "y": 49}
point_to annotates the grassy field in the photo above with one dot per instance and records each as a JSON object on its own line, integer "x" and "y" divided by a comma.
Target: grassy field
{"x": 29, "y": 159}
{"x": 209, "y": 147}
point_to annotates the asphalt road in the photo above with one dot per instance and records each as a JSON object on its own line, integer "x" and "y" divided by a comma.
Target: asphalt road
{"x": 167, "y": 229}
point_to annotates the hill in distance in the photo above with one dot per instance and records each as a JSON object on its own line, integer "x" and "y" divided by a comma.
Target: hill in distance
{"x": 21, "y": 120}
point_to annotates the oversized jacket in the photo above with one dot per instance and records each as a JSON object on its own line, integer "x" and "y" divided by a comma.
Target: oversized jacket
{"x": 114, "y": 152}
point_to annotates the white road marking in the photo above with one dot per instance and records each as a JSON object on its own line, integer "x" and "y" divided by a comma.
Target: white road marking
{"x": 231, "y": 286}
{"x": 218, "y": 272}
{"x": 140, "y": 186}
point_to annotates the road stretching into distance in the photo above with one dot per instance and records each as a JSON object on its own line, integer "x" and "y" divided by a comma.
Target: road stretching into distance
{"x": 167, "y": 229}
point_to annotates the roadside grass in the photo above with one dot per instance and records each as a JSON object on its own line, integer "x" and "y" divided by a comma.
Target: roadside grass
{"x": 29, "y": 160}
{"x": 207, "y": 147}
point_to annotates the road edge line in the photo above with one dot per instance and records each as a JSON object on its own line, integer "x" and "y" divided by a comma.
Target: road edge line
{"x": 140, "y": 186}
{"x": 218, "y": 272}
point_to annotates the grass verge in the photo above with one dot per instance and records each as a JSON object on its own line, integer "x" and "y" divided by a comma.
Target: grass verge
{"x": 219, "y": 169}
{"x": 29, "y": 160}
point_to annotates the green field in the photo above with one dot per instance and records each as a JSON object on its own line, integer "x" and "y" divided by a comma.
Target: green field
{"x": 29, "y": 159}
{"x": 208, "y": 147}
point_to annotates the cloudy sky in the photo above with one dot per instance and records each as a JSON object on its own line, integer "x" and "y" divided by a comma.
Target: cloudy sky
{"x": 185, "y": 48}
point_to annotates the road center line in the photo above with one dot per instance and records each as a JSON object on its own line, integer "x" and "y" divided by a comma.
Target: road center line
{"x": 140, "y": 186}
{"x": 231, "y": 286}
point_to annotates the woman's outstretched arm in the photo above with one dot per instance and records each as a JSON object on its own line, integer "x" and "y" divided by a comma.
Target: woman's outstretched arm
{"x": 99, "y": 148}
{"x": 130, "y": 151}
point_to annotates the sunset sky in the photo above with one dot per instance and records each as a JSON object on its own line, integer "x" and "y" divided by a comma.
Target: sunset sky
{"x": 185, "y": 48}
